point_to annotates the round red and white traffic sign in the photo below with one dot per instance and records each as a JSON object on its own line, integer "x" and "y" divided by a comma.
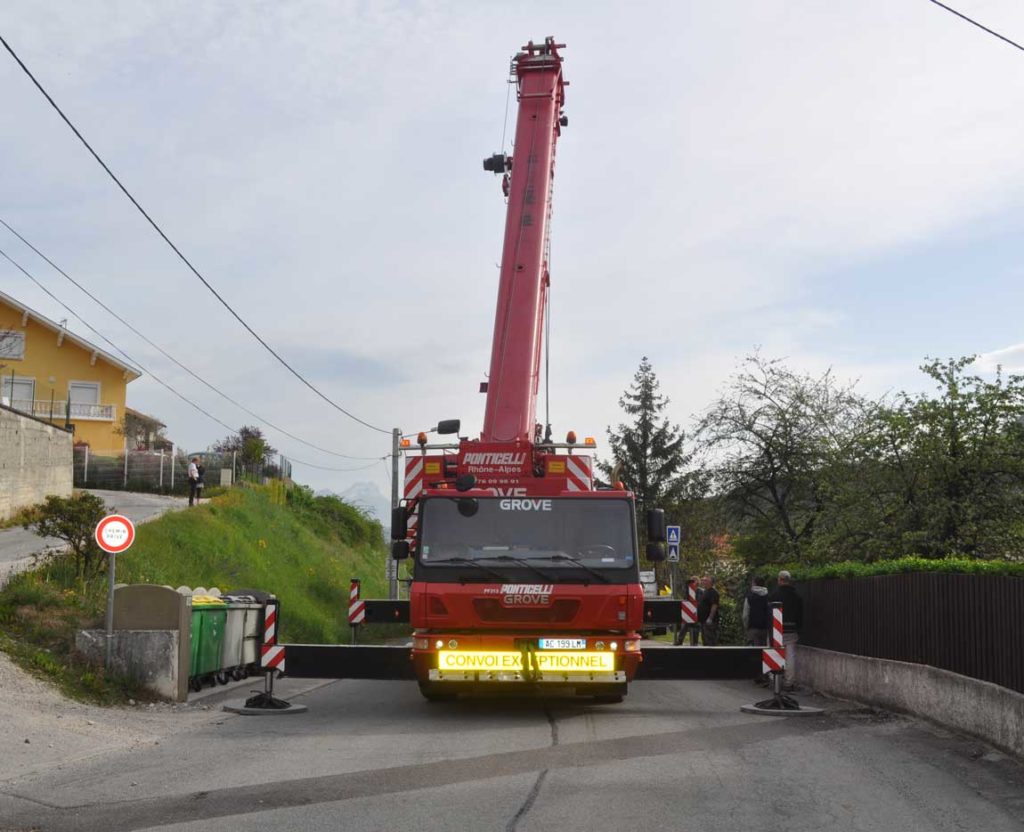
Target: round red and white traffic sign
{"x": 115, "y": 533}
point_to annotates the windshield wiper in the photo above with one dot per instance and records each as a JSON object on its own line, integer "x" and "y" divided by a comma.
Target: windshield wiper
{"x": 512, "y": 559}
{"x": 581, "y": 565}
{"x": 471, "y": 562}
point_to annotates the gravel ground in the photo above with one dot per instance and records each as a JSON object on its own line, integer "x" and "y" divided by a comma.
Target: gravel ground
{"x": 41, "y": 729}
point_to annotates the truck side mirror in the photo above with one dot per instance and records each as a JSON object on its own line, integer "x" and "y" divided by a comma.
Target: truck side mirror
{"x": 400, "y": 549}
{"x": 655, "y": 552}
{"x": 656, "y": 525}
{"x": 399, "y": 523}
{"x": 449, "y": 426}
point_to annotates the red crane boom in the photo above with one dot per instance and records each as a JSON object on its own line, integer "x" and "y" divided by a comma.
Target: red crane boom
{"x": 510, "y": 412}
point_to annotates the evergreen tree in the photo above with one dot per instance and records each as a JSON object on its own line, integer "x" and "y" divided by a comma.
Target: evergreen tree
{"x": 650, "y": 449}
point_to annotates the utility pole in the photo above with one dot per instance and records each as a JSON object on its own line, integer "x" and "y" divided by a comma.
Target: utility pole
{"x": 396, "y": 455}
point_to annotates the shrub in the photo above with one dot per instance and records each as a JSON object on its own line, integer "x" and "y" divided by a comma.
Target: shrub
{"x": 73, "y": 520}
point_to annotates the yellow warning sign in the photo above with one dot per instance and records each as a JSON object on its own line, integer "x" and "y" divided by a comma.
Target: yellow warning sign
{"x": 569, "y": 662}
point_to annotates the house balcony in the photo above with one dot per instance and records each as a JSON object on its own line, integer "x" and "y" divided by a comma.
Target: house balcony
{"x": 42, "y": 409}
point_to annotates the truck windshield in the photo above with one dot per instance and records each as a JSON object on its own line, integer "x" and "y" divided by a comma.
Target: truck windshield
{"x": 596, "y": 533}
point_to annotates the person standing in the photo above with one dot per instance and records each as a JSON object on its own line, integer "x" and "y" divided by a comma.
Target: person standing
{"x": 792, "y": 622}
{"x": 194, "y": 478}
{"x": 707, "y": 612}
{"x": 755, "y": 613}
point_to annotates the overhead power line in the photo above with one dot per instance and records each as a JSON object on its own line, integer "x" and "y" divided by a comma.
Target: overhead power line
{"x": 980, "y": 26}
{"x": 178, "y": 252}
{"x": 139, "y": 364}
{"x": 171, "y": 358}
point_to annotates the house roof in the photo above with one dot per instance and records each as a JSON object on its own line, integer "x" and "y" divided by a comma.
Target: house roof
{"x": 76, "y": 339}
{"x": 140, "y": 415}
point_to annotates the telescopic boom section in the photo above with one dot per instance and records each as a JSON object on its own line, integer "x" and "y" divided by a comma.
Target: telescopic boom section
{"x": 510, "y": 413}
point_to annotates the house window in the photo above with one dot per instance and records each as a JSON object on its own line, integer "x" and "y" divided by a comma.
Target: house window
{"x": 12, "y": 344}
{"x": 18, "y": 393}
{"x": 84, "y": 392}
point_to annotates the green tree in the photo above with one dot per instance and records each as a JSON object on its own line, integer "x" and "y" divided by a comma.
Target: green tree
{"x": 775, "y": 440}
{"x": 954, "y": 464}
{"x": 250, "y": 445}
{"x": 73, "y": 520}
{"x": 650, "y": 449}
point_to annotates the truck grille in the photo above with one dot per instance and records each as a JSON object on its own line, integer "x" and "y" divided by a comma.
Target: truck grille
{"x": 561, "y": 611}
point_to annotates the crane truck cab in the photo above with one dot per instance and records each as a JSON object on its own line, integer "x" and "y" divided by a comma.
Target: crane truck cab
{"x": 532, "y": 584}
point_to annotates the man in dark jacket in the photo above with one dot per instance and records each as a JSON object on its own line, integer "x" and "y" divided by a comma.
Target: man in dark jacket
{"x": 792, "y": 621}
{"x": 707, "y": 612}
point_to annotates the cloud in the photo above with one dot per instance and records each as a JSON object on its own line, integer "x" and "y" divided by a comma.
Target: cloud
{"x": 1010, "y": 359}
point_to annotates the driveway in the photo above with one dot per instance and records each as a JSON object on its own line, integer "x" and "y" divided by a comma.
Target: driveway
{"x": 18, "y": 545}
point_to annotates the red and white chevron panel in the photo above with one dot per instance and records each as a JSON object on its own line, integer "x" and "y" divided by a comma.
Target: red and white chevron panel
{"x": 413, "y": 485}
{"x": 579, "y": 473}
{"x": 272, "y": 657}
{"x": 270, "y": 623}
{"x": 356, "y": 607}
{"x": 772, "y": 660}
{"x": 689, "y": 612}
{"x": 777, "y": 641}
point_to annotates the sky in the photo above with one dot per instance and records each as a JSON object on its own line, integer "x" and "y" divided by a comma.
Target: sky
{"x": 837, "y": 184}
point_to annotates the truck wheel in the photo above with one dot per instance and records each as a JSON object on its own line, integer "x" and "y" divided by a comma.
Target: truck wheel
{"x": 432, "y": 694}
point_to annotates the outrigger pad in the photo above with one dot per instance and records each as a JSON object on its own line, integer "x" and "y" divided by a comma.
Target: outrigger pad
{"x": 695, "y": 663}
{"x": 348, "y": 661}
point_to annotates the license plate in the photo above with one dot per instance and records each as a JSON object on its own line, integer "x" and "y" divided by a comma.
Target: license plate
{"x": 562, "y": 644}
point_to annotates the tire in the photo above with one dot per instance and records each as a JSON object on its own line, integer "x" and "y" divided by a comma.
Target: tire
{"x": 432, "y": 694}
{"x": 195, "y": 684}
{"x": 238, "y": 674}
{"x": 222, "y": 677}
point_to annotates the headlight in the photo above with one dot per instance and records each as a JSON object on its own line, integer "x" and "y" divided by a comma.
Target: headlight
{"x": 439, "y": 644}
{"x": 614, "y": 645}
{"x": 421, "y": 644}
{"x": 632, "y": 645}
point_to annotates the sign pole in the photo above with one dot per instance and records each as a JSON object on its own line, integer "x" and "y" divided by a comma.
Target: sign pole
{"x": 111, "y": 560}
{"x": 114, "y": 534}
{"x": 396, "y": 455}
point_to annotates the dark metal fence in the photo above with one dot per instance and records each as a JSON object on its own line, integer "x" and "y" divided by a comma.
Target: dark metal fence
{"x": 969, "y": 624}
{"x": 166, "y": 472}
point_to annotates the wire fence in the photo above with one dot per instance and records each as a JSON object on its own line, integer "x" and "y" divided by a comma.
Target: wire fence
{"x": 166, "y": 472}
{"x": 970, "y": 624}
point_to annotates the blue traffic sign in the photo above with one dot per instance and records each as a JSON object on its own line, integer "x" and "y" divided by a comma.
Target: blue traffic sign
{"x": 673, "y": 553}
{"x": 672, "y": 534}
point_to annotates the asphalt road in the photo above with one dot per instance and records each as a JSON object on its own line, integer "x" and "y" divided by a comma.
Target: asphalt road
{"x": 18, "y": 543}
{"x": 675, "y": 755}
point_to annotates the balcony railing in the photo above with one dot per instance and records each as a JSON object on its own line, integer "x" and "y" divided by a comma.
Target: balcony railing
{"x": 42, "y": 408}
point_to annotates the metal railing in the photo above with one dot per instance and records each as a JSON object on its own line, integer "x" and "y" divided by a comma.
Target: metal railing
{"x": 58, "y": 409}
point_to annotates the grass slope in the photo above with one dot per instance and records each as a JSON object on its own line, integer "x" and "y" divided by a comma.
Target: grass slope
{"x": 304, "y": 551}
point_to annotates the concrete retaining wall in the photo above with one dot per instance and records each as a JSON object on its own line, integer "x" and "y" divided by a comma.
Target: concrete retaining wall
{"x": 35, "y": 461}
{"x": 988, "y": 711}
{"x": 148, "y": 656}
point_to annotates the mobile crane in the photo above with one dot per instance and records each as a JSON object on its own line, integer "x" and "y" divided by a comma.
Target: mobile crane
{"x": 525, "y": 572}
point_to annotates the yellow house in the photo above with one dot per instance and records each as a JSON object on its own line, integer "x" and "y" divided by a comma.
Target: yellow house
{"x": 53, "y": 374}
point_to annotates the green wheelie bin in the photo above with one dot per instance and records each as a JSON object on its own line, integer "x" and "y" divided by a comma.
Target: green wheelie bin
{"x": 209, "y": 615}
